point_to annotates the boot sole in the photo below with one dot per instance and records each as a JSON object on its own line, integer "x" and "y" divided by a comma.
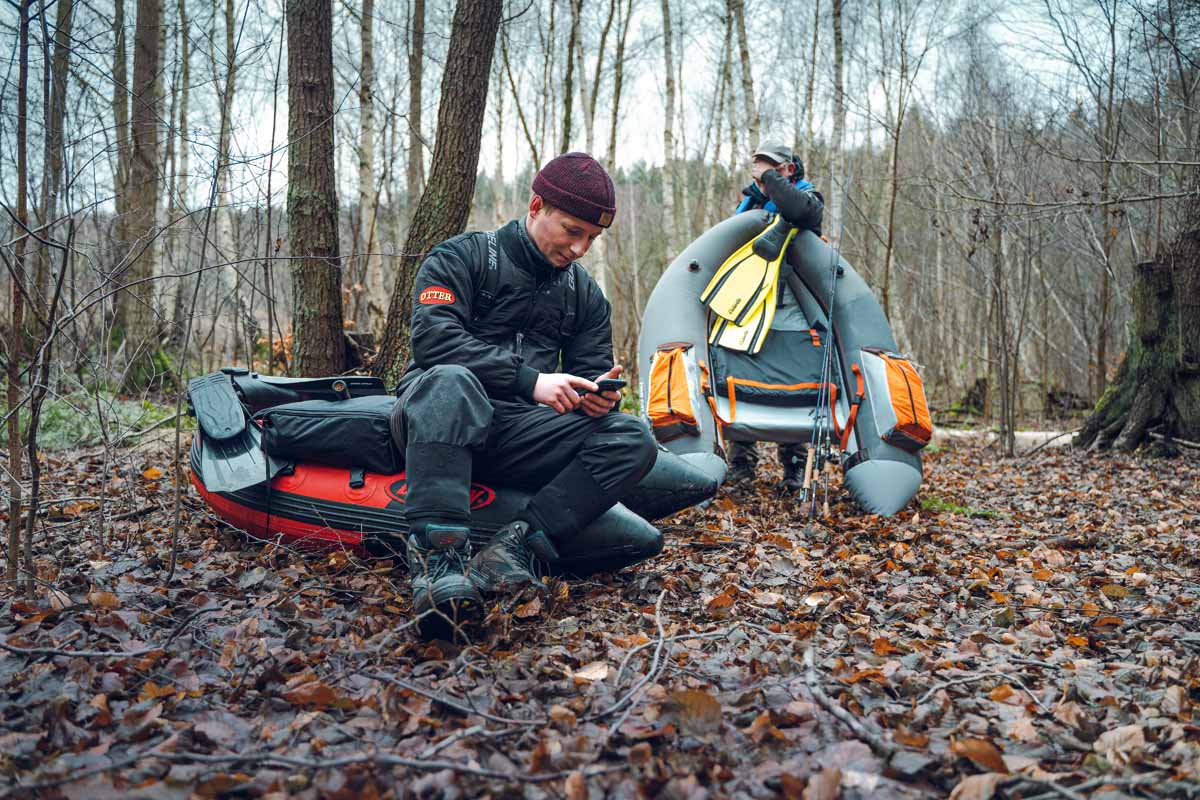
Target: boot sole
{"x": 451, "y": 605}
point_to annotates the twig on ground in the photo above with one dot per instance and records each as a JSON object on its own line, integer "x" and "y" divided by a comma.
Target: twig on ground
{"x": 1048, "y": 441}
{"x": 655, "y": 668}
{"x": 874, "y": 740}
{"x": 269, "y": 759}
{"x": 53, "y": 651}
{"x": 978, "y": 677}
{"x": 451, "y": 702}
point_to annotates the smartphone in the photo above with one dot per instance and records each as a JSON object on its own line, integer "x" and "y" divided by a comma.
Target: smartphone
{"x": 607, "y": 385}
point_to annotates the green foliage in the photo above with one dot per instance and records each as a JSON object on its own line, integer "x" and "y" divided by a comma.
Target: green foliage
{"x": 72, "y": 421}
{"x": 936, "y": 505}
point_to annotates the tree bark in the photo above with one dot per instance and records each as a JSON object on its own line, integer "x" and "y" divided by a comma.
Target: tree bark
{"x": 318, "y": 344}
{"x": 16, "y": 331}
{"x": 54, "y": 155}
{"x": 446, "y": 201}
{"x": 120, "y": 122}
{"x": 670, "y": 179}
{"x": 1158, "y": 382}
{"x": 753, "y": 122}
{"x": 568, "y": 84}
{"x": 416, "y": 68}
{"x": 368, "y": 202}
{"x": 177, "y": 197}
{"x": 145, "y": 181}
{"x": 810, "y": 86}
{"x": 618, "y": 81}
{"x": 839, "y": 127}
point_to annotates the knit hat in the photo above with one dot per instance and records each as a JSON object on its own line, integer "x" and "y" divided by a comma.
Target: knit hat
{"x": 577, "y": 184}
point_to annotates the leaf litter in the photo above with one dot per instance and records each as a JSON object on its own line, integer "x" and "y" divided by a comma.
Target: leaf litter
{"x": 1047, "y": 648}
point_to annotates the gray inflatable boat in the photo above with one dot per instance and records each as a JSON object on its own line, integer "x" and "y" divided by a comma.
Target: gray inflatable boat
{"x": 698, "y": 396}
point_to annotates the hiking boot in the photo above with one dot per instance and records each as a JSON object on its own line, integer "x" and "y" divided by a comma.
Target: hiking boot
{"x": 443, "y": 598}
{"x": 793, "y": 468}
{"x": 743, "y": 461}
{"x": 514, "y": 557}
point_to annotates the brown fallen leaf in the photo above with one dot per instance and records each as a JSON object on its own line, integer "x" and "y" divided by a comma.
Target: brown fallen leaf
{"x": 762, "y": 728}
{"x": 1119, "y": 745}
{"x": 697, "y": 711}
{"x": 977, "y": 787}
{"x": 590, "y": 673}
{"x": 824, "y": 785}
{"x": 910, "y": 739}
{"x": 980, "y": 752}
{"x": 575, "y": 786}
{"x": 530, "y": 609}
{"x": 103, "y": 600}
{"x": 539, "y": 759}
{"x": 1114, "y": 591}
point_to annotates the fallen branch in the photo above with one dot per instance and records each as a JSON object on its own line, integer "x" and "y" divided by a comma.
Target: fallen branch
{"x": 874, "y": 740}
{"x": 274, "y": 759}
{"x": 452, "y": 703}
{"x": 145, "y": 651}
{"x": 1048, "y": 441}
{"x": 1172, "y": 440}
{"x": 653, "y": 671}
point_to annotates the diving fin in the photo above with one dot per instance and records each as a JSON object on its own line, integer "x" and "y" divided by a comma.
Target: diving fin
{"x": 750, "y": 335}
{"x": 740, "y": 284}
{"x": 230, "y": 465}
{"x": 231, "y": 456}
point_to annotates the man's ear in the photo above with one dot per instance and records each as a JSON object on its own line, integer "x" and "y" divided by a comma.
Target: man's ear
{"x": 535, "y": 204}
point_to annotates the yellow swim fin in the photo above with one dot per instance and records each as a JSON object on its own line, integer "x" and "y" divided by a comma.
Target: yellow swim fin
{"x": 750, "y": 335}
{"x": 740, "y": 284}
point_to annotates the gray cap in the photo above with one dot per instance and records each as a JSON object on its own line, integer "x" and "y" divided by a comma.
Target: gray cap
{"x": 776, "y": 152}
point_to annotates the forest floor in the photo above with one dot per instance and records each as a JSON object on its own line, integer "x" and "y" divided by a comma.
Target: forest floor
{"x": 1026, "y": 628}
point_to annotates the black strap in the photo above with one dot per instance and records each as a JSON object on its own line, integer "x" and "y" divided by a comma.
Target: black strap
{"x": 485, "y": 295}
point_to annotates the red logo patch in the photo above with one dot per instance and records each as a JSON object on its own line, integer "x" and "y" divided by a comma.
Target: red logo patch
{"x": 436, "y": 296}
{"x": 481, "y": 495}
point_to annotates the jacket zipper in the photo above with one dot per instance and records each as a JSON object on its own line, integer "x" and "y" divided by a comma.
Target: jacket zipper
{"x": 520, "y": 335}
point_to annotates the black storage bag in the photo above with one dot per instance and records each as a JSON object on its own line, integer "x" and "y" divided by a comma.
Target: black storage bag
{"x": 786, "y": 372}
{"x": 339, "y": 433}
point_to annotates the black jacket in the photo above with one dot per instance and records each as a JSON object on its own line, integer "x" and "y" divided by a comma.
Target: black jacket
{"x": 539, "y": 314}
{"x": 801, "y": 207}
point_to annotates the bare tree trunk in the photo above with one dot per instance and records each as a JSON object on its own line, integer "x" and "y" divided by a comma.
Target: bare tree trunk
{"x": 1158, "y": 383}
{"x": 512, "y": 84}
{"x": 16, "y": 331}
{"x": 809, "y": 89}
{"x": 416, "y": 144}
{"x": 446, "y": 202}
{"x": 141, "y": 341}
{"x": 670, "y": 179}
{"x": 568, "y": 87}
{"x": 318, "y": 345}
{"x": 120, "y": 122}
{"x": 753, "y": 122}
{"x": 837, "y": 158}
{"x": 735, "y": 152}
{"x": 368, "y": 198}
{"x": 588, "y": 94}
{"x": 618, "y": 80}
{"x": 54, "y": 155}
{"x": 177, "y": 199}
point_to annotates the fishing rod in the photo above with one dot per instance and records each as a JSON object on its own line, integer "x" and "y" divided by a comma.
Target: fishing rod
{"x": 820, "y": 447}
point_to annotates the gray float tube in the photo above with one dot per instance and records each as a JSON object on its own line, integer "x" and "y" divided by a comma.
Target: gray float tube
{"x": 881, "y": 477}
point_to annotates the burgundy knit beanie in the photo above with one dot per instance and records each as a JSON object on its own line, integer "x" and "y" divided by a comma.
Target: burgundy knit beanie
{"x": 577, "y": 184}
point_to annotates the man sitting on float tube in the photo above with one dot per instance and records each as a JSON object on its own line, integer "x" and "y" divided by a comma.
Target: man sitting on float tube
{"x": 804, "y": 206}
{"x": 485, "y": 392}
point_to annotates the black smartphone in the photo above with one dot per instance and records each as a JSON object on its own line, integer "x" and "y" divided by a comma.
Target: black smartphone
{"x": 607, "y": 385}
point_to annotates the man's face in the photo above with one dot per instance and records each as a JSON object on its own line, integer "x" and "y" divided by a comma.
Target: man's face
{"x": 562, "y": 238}
{"x": 761, "y": 164}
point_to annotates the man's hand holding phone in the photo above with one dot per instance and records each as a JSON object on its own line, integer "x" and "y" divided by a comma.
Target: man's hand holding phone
{"x": 607, "y": 394}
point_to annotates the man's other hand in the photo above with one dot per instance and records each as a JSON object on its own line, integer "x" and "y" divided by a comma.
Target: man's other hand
{"x": 597, "y": 404}
{"x": 557, "y": 390}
